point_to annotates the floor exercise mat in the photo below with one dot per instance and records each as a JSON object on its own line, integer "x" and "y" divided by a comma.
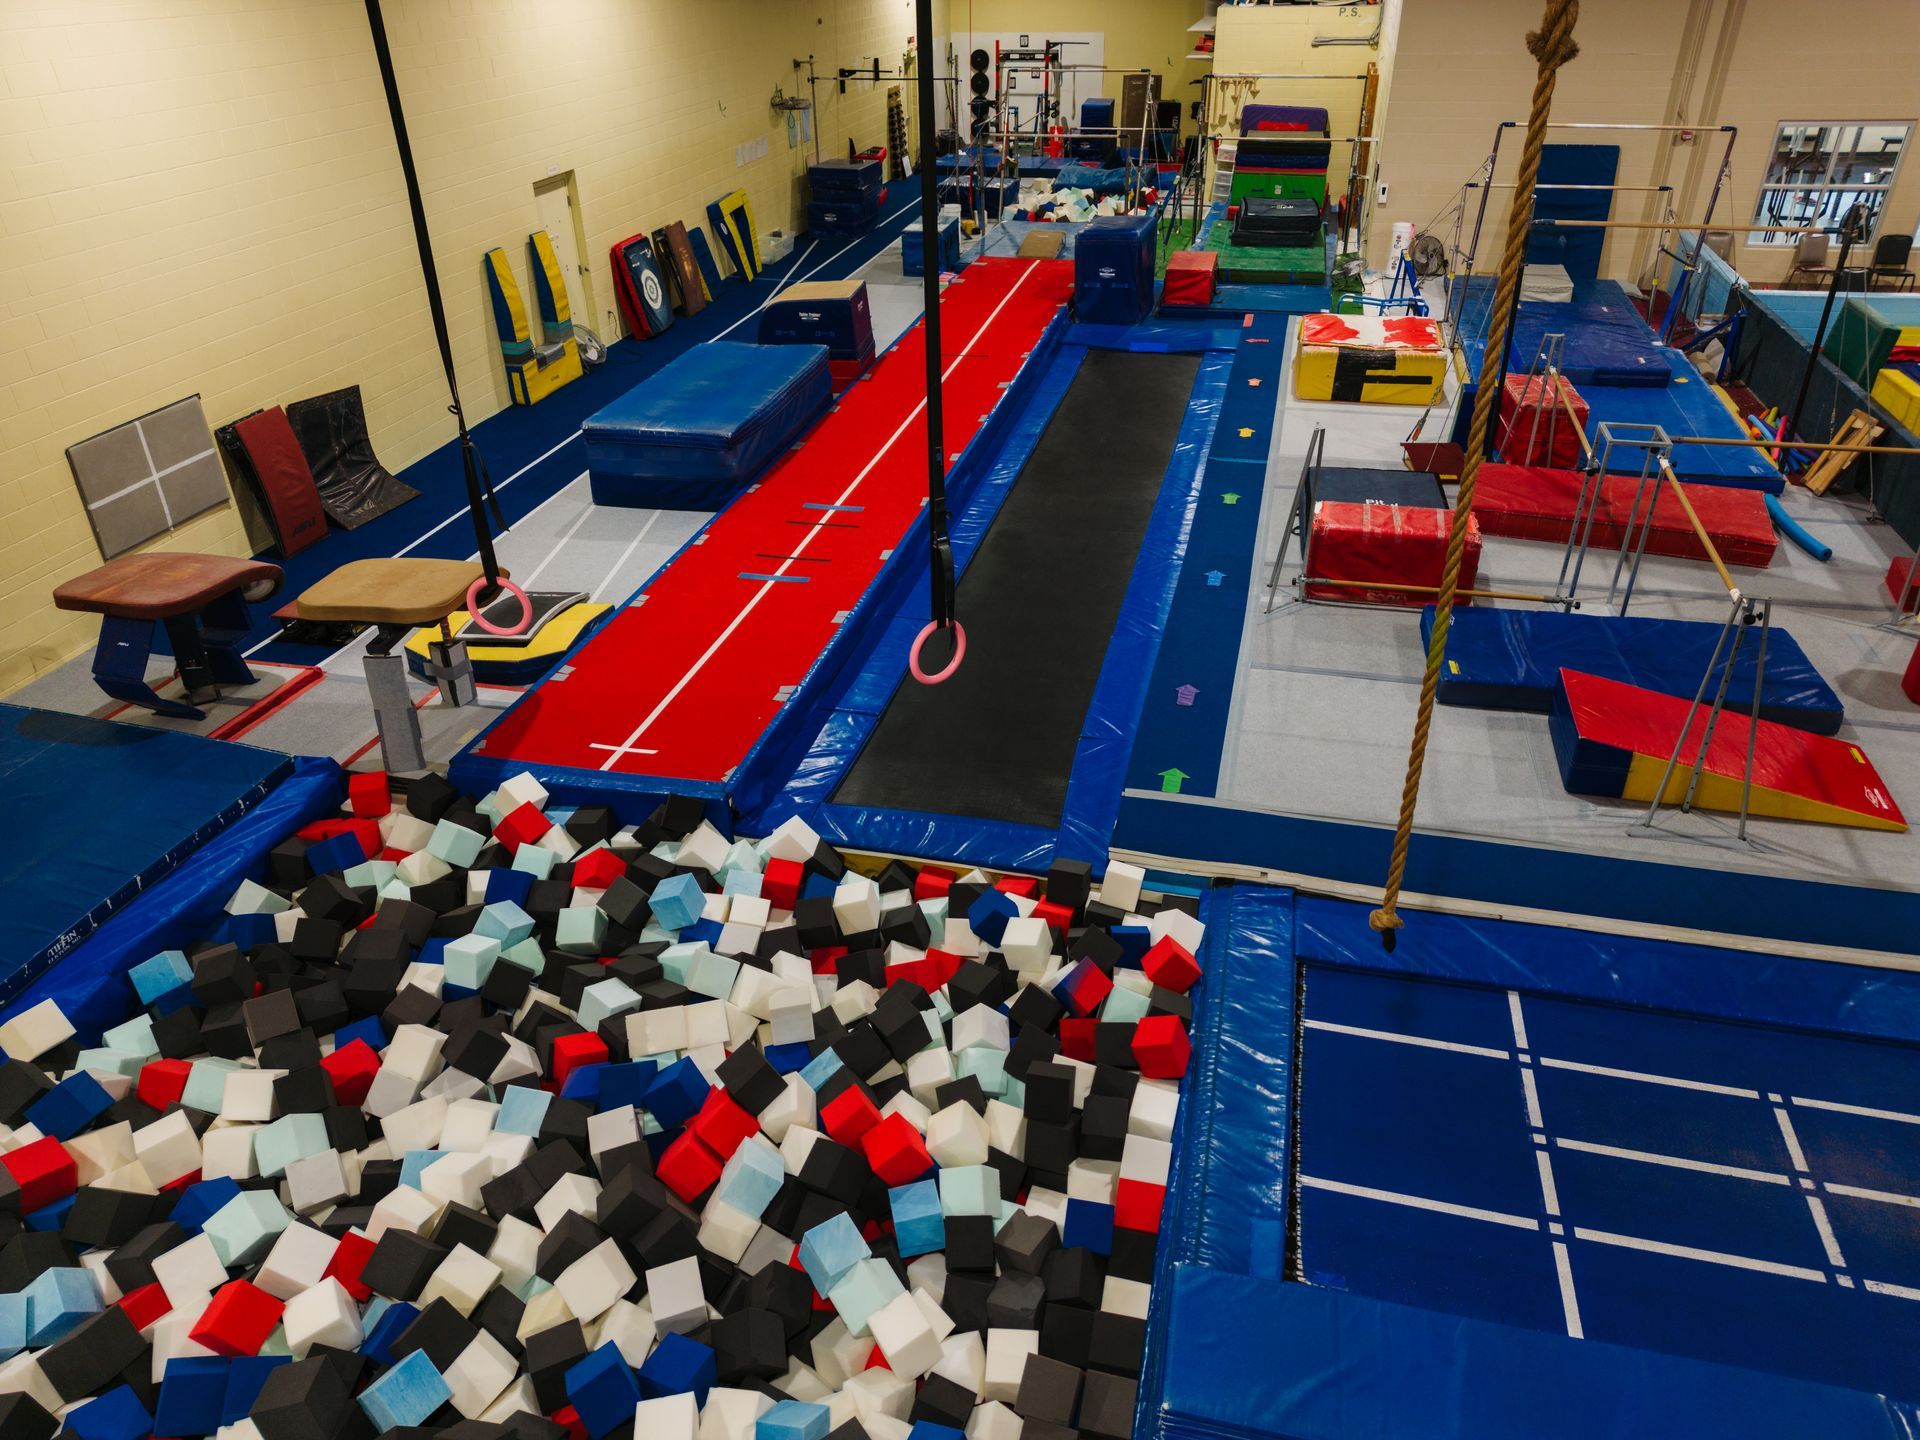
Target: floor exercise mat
{"x": 706, "y": 424}
{"x": 354, "y": 486}
{"x": 266, "y": 455}
{"x": 1532, "y": 502}
{"x": 1512, "y": 659}
{"x": 1039, "y": 602}
{"x": 97, "y": 813}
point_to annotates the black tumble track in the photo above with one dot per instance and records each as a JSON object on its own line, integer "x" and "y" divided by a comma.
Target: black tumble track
{"x": 1038, "y": 602}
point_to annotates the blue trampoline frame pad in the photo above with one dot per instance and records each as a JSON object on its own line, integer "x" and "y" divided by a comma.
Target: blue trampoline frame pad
{"x": 1232, "y": 1351}
{"x": 98, "y": 813}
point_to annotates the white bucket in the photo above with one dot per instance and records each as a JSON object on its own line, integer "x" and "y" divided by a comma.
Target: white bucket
{"x": 1402, "y": 238}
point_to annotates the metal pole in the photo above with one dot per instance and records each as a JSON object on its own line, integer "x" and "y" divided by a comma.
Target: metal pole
{"x": 1753, "y": 720}
{"x": 942, "y": 557}
{"x": 1820, "y": 331}
{"x": 1647, "y": 472}
{"x": 1713, "y": 719}
{"x": 1706, "y": 679}
{"x": 1595, "y": 476}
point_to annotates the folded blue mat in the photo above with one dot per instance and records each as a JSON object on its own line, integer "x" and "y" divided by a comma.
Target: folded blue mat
{"x": 705, "y": 424}
{"x": 1607, "y": 341}
{"x": 1511, "y": 660}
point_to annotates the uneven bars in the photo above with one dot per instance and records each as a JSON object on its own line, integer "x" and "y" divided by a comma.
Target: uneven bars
{"x": 1693, "y": 519}
{"x": 1429, "y": 589}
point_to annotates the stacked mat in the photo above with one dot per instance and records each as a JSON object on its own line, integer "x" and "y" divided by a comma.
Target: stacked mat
{"x": 1390, "y": 360}
{"x": 704, "y": 425}
{"x": 913, "y": 248}
{"x": 845, "y": 196}
{"x": 1532, "y": 502}
{"x": 1375, "y": 550}
{"x": 833, "y": 313}
{"x": 641, "y": 288}
{"x": 1282, "y": 151}
{"x": 1113, "y": 265}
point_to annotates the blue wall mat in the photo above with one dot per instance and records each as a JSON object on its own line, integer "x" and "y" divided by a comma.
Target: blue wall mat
{"x": 1578, "y": 250}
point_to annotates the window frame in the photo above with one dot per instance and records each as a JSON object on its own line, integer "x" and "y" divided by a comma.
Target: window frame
{"x": 1826, "y": 185}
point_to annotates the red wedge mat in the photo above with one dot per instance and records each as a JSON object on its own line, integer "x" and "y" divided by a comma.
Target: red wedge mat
{"x": 683, "y": 681}
{"x": 1531, "y": 502}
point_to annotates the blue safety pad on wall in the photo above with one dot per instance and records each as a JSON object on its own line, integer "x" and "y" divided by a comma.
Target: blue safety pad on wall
{"x": 1578, "y": 250}
{"x": 97, "y": 813}
{"x": 705, "y": 424}
{"x": 1511, "y": 660}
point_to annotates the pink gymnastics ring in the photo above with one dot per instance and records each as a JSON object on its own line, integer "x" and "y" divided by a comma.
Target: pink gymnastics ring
{"x": 959, "y": 654}
{"x": 519, "y": 627}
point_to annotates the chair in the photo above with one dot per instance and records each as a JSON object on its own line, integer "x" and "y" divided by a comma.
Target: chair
{"x": 1809, "y": 258}
{"x": 1890, "y": 255}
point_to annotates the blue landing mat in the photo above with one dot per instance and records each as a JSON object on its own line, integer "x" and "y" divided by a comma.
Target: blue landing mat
{"x": 1511, "y": 660}
{"x": 1607, "y": 341}
{"x": 1732, "y": 1193}
{"x": 534, "y": 451}
{"x": 98, "y": 812}
{"x": 1238, "y": 1348}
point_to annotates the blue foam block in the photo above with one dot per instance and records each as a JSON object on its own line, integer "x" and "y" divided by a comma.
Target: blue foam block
{"x": 677, "y": 1365}
{"x": 244, "y": 1383}
{"x": 192, "y": 1391}
{"x": 676, "y": 1093}
{"x": 116, "y": 1415}
{"x": 72, "y": 1105}
{"x": 602, "y": 1390}
{"x": 199, "y": 1201}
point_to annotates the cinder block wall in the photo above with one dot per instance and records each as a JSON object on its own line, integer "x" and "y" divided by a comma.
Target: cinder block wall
{"x": 204, "y": 196}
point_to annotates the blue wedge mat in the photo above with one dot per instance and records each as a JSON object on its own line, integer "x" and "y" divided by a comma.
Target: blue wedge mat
{"x": 97, "y": 813}
{"x": 1511, "y": 660}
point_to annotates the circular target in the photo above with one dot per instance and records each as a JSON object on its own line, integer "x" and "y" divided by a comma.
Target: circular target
{"x": 650, "y": 289}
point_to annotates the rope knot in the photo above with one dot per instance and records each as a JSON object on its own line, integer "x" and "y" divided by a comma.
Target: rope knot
{"x": 1552, "y": 44}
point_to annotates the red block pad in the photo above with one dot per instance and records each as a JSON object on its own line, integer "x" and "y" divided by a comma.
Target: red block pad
{"x": 932, "y": 882}
{"x": 688, "y": 1168}
{"x": 350, "y": 1257}
{"x": 520, "y": 827}
{"x": 352, "y": 1069}
{"x": 570, "y": 1052}
{"x": 721, "y": 1125}
{"x": 895, "y": 1151}
{"x": 597, "y": 869}
{"x": 145, "y": 1305}
{"x": 368, "y": 794}
{"x": 1076, "y": 1038}
{"x": 1901, "y": 588}
{"x": 1529, "y": 502}
{"x": 1376, "y": 545}
{"x": 1161, "y": 1046}
{"x": 1025, "y": 886}
{"x": 1535, "y": 428}
{"x": 1137, "y": 1205}
{"x": 1170, "y": 965}
{"x": 1054, "y": 914}
{"x": 1191, "y": 277}
{"x": 367, "y": 832}
{"x": 44, "y": 1171}
{"x": 780, "y": 886}
{"x": 238, "y": 1320}
{"x": 1084, "y": 988}
{"x": 1910, "y": 682}
{"x": 162, "y": 1082}
{"x": 849, "y": 1116}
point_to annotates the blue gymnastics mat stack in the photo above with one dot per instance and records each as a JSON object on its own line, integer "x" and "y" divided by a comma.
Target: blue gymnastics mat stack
{"x": 844, "y": 197}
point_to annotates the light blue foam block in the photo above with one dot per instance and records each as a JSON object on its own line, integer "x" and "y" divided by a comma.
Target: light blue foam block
{"x": 407, "y": 1394}
{"x": 160, "y": 974}
{"x": 830, "y": 1249}
{"x": 58, "y": 1299}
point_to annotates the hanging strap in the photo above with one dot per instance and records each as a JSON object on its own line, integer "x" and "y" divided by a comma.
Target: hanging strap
{"x": 940, "y": 560}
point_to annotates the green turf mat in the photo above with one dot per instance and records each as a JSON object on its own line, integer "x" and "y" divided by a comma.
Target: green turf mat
{"x": 1267, "y": 264}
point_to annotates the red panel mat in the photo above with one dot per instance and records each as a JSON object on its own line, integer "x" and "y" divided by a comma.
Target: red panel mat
{"x": 1371, "y": 546}
{"x": 683, "y": 681}
{"x": 1531, "y": 502}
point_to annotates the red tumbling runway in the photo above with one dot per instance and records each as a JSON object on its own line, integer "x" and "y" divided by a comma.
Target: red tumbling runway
{"x": 683, "y": 681}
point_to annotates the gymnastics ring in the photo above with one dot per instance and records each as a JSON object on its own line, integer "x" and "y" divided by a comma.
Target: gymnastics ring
{"x": 519, "y": 627}
{"x": 959, "y": 654}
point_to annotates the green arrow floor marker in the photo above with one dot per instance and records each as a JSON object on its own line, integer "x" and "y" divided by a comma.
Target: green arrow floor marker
{"x": 1171, "y": 780}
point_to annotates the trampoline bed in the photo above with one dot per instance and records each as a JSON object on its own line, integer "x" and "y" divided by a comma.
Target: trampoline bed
{"x": 1039, "y": 602}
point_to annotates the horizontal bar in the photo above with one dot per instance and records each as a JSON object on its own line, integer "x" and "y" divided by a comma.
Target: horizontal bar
{"x": 1430, "y": 589}
{"x": 1699, "y": 530}
{"x": 1543, "y": 185}
{"x": 1673, "y": 225}
{"x": 1811, "y": 447}
{"x": 1594, "y": 125}
{"x": 1249, "y": 75}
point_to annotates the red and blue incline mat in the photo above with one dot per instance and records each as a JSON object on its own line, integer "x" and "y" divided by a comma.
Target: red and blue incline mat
{"x": 681, "y": 685}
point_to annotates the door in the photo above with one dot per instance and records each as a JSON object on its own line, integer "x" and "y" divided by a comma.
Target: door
{"x": 557, "y": 203}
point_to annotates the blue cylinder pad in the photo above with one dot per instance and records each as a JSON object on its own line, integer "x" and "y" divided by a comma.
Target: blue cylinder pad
{"x": 704, "y": 425}
{"x": 1113, "y": 262}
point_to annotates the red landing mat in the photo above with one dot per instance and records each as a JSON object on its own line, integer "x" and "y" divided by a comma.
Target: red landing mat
{"x": 682, "y": 682}
{"x": 1614, "y": 739}
{"x": 1530, "y": 502}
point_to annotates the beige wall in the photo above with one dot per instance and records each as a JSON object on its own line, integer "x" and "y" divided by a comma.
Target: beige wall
{"x": 1706, "y": 62}
{"x": 203, "y": 195}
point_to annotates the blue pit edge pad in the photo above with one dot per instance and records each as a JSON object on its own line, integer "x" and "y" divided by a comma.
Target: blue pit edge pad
{"x": 1094, "y": 786}
{"x": 101, "y": 812}
{"x": 181, "y": 909}
{"x": 1230, "y": 1352}
{"x": 1314, "y": 1364}
{"x": 758, "y": 778}
{"x": 1200, "y": 641}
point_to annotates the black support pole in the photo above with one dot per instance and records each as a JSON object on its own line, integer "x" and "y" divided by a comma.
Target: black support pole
{"x": 1850, "y": 234}
{"x": 942, "y": 559}
{"x": 478, "y": 491}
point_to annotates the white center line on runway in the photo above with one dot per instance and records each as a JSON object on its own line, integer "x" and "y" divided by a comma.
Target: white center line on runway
{"x": 1688, "y": 1252}
{"x": 1898, "y": 1116}
{"x": 1673, "y": 1162}
{"x": 1645, "y": 1078}
{"x": 1420, "y": 1202}
{"x": 1543, "y": 1162}
{"x": 760, "y": 592}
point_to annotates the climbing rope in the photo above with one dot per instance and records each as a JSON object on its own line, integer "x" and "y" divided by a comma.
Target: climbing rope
{"x": 1551, "y": 46}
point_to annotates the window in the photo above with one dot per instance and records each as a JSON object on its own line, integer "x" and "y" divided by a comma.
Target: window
{"x": 1820, "y": 169}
